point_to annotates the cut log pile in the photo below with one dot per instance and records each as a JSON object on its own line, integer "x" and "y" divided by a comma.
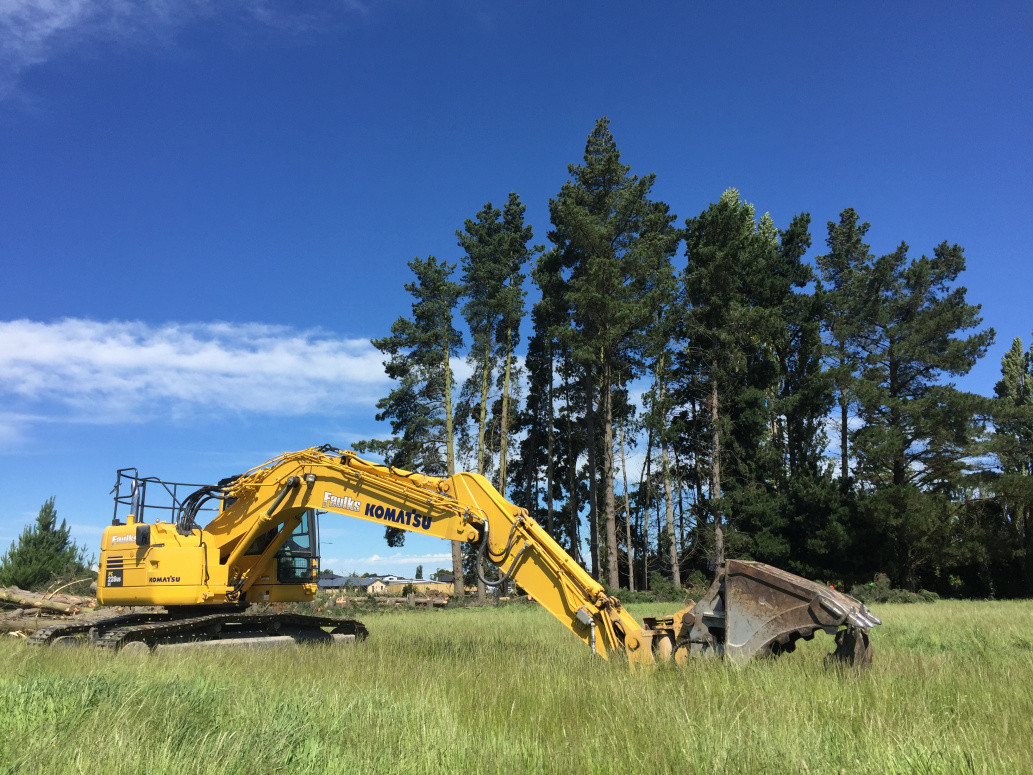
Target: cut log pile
{"x": 412, "y": 602}
{"x": 439, "y": 601}
{"x": 21, "y": 610}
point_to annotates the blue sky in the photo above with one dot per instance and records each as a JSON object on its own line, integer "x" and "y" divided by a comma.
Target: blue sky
{"x": 207, "y": 208}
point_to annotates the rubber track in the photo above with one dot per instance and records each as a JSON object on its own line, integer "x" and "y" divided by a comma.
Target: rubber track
{"x": 155, "y": 632}
{"x": 44, "y": 636}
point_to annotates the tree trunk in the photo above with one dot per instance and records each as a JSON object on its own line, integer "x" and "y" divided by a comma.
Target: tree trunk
{"x": 575, "y": 508}
{"x": 609, "y": 509}
{"x": 844, "y": 420}
{"x": 593, "y": 494}
{"x": 1027, "y": 557}
{"x": 645, "y": 480}
{"x": 679, "y": 487}
{"x": 715, "y": 472}
{"x": 549, "y": 470}
{"x": 697, "y": 475}
{"x": 669, "y": 511}
{"x": 715, "y": 449}
{"x": 627, "y": 516}
{"x": 504, "y": 431}
{"x": 482, "y": 421}
{"x": 35, "y": 600}
{"x": 844, "y": 466}
{"x": 459, "y": 584}
{"x": 672, "y": 546}
{"x": 659, "y": 531}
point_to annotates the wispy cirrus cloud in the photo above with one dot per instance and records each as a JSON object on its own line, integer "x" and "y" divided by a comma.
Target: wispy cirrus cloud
{"x": 77, "y": 370}
{"x": 34, "y": 31}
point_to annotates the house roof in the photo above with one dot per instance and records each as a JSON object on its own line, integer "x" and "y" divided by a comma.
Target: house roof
{"x": 334, "y": 581}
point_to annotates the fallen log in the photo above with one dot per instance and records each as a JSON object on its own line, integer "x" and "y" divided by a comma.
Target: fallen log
{"x": 28, "y": 623}
{"x": 25, "y": 599}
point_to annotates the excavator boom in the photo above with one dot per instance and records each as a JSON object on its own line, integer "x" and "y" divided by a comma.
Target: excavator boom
{"x": 464, "y": 507}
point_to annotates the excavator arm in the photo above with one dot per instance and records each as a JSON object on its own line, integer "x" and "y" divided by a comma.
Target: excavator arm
{"x": 464, "y": 507}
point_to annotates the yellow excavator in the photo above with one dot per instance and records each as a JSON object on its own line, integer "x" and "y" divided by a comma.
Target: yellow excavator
{"x": 261, "y": 547}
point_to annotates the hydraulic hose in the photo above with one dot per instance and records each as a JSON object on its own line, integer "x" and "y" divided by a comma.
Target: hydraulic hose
{"x": 482, "y": 552}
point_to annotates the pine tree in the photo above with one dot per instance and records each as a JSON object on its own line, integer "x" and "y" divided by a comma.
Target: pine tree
{"x": 751, "y": 380}
{"x": 496, "y": 252}
{"x": 517, "y": 255}
{"x": 42, "y": 552}
{"x": 419, "y": 408}
{"x": 729, "y": 326}
{"x": 1014, "y": 392}
{"x": 844, "y": 270}
{"x": 482, "y": 240}
{"x": 1011, "y": 444}
{"x": 547, "y": 476}
{"x": 606, "y": 230}
{"x": 916, "y": 429}
{"x": 663, "y": 428}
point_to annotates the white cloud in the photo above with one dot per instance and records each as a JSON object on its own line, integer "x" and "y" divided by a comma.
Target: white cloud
{"x": 34, "y": 31}
{"x": 76, "y": 370}
{"x": 13, "y": 426}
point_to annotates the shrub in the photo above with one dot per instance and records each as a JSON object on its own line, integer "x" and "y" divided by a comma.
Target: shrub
{"x": 44, "y": 555}
{"x": 882, "y": 591}
{"x": 665, "y": 590}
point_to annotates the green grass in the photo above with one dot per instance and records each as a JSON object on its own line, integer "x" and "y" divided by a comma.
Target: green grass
{"x": 509, "y": 690}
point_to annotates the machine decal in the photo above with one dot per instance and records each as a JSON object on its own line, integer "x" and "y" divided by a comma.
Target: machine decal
{"x": 113, "y": 578}
{"x": 346, "y": 503}
{"x": 163, "y": 579}
{"x": 130, "y": 539}
{"x": 410, "y": 518}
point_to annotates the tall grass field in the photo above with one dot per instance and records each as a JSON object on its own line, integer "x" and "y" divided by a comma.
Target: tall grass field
{"x": 509, "y": 690}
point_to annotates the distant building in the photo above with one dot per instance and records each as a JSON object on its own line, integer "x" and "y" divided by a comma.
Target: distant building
{"x": 422, "y": 587}
{"x": 369, "y": 585}
{"x": 331, "y": 581}
{"x": 385, "y": 585}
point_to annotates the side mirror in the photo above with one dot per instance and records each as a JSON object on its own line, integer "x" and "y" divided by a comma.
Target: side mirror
{"x": 143, "y": 535}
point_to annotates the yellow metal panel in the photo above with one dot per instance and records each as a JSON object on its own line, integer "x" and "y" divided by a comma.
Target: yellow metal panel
{"x": 163, "y": 573}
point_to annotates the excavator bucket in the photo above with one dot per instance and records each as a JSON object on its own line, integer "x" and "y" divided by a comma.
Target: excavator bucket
{"x": 753, "y": 609}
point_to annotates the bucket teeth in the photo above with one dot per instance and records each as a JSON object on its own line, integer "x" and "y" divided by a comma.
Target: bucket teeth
{"x": 853, "y": 649}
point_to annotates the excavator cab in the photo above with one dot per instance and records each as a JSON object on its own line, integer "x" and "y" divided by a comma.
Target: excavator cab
{"x": 297, "y": 561}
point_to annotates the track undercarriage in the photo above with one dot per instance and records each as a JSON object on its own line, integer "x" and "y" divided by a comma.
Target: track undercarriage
{"x": 160, "y": 630}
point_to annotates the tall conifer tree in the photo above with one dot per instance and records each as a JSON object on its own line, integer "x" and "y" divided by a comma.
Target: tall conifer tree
{"x": 843, "y": 271}
{"x": 606, "y": 230}
{"x": 1011, "y": 443}
{"x": 496, "y": 252}
{"x": 419, "y": 407}
{"x": 917, "y": 428}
